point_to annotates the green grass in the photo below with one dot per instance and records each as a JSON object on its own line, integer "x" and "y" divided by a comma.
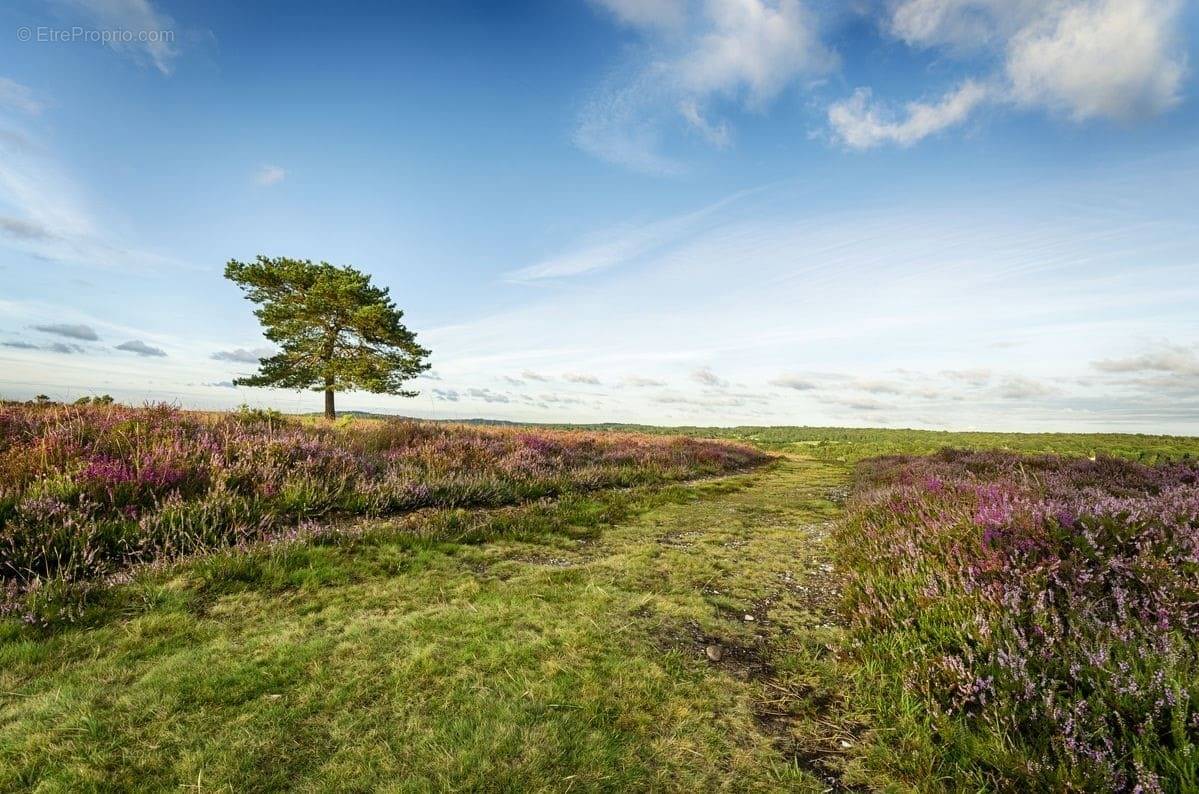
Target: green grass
{"x": 553, "y": 646}
{"x": 567, "y": 651}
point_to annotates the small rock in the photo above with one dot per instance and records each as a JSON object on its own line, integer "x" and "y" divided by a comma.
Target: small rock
{"x": 845, "y": 744}
{"x": 714, "y": 652}
{"x": 749, "y": 618}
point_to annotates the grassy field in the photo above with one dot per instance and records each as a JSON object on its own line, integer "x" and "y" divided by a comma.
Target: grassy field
{"x": 685, "y": 636}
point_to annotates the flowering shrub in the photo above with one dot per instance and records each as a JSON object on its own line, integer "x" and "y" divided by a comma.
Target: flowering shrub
{"x": 87, "y": 491}
{"x": 1044, "y": 609}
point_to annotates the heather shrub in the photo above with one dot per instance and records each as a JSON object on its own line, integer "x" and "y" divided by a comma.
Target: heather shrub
{"x": 1043, "y": 610}
{"x": 90, "y": 490}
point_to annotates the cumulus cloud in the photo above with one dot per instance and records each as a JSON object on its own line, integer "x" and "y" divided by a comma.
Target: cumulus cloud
{"x": 530, "y": 375}
{"x": 861, "y": 123}
{"x": 578, "y": 377}
{"x": 560, "y": 399}
{"x": 725, "y": 51}
{"x": 269, "y": 175}
{"x": 1114, "y": 59}
{"x": 1022, "y": 388}
{"x": 21, "y": 345}
{"x": 971, "y": 377}
{"x": 707, "y": 377}
{"x": 1085, "y": 59}
{"x": 15, "y": 95}
{"x": 796, "y": 382}
{"x": 153, "y": 42}
{"x": 83, "y": 332}
{"x": 706, "y": 401}
{"x": 1172, "y": 359}
{"x": 141, "y": 348}
{"x": 641, "y": 383}
{"x": 487, "y": 395}
{"x": 242, "y": 356}
{"x": 964, "y": 25}
{"x": 449, "y": 395}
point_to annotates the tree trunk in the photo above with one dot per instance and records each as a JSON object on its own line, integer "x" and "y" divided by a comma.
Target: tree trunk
{"x": 330, "y": 413}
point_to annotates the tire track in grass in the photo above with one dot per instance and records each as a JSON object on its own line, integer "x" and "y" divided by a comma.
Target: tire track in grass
{"x": 739, "y": 584}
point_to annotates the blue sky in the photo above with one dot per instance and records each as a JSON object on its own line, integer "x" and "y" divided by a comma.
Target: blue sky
{"x": 925, "y": 213}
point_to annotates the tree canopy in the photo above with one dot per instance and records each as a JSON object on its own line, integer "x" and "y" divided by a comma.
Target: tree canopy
{"x": 336, "y": 331}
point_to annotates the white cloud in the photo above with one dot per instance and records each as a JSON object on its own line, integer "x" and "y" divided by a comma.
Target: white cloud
{"x": 962, "y": 24}
{"x": 796, "y": 382}
{"x": 141, "y": 348}
{"x": 862, "y": 124}
{"x": 1085, "y": 59}
{"x": 619, "y": 246}
{"x": 665, "y": 14}
{"x": 707, "y": 377}
{"x": 639, "y": 382}
{"x": 1112, "y": 59}
{"x": 733, "y": 51}
{"x": 269, "y": 175}
{"x": 153, "y": 32}
{"x": 1022, "y": 388}
{"x": 15, "y": 95}
{"x": 1171, "y": 359}
{"x": 578, "y": 377}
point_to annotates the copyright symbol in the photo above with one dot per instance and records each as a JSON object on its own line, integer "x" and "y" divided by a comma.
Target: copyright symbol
{"x": 24, "y": 34}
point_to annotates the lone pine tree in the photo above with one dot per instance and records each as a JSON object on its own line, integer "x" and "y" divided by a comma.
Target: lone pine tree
{"x": 336, "y": 331}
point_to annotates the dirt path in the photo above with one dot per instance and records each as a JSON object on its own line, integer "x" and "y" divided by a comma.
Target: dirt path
{"x": 739, "y": 580}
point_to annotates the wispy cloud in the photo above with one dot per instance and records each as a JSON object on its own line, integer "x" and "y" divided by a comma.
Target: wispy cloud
{"x": 153, "y": 39}
{"x": 269, "y": 175}
{"x": 53, "y": 347}
{"x": 141, "y": 348}
{"x": 21, "y": 97}
{"x": 614, "y": 247}
{"x": 579, "y": 377}
{"x": 43, "y": 212}
{"x": 69, "y": 330}
{"x": 861, "y": 123}
{"x": 723, "y": 51}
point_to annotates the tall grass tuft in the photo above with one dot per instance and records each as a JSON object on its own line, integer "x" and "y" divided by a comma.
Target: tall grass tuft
{"x": 1043, "y": 612}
